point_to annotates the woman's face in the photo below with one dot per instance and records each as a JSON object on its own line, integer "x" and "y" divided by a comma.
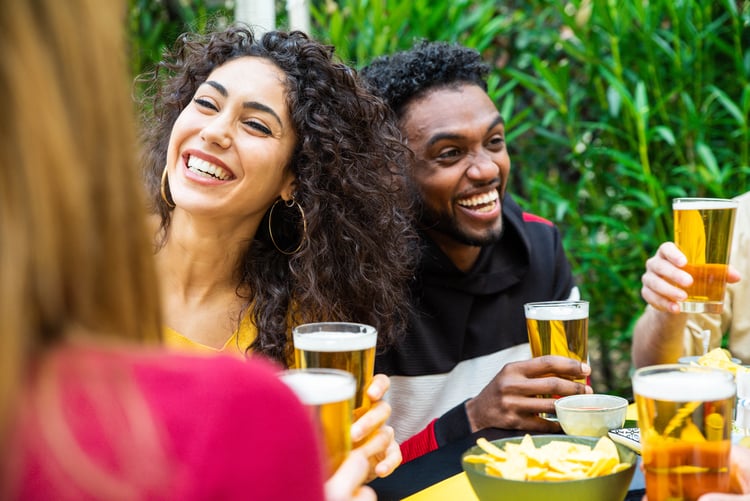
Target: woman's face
{"x": 230, "y": 147}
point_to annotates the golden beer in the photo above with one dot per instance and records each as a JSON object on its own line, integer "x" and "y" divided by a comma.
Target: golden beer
{"x": 329, "y": 395}
{"x": 685, "y": 417}
{"x": 339, "y": 345}
{"x": 703, "y": 230}
{"x": 558, "y": 328}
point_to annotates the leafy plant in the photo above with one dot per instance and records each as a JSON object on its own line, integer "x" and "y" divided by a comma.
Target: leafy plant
{"x": 361, "y": 29}
{"x": 613, "y": 108}
{"x": 156, "y": 24}
{"x": 633, "y": 105}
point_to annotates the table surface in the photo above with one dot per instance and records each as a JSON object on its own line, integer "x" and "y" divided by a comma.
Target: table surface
{"x": 424, "y": 471}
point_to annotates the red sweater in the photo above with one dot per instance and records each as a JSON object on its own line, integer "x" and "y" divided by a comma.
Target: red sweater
{"x": 152, "y": 425}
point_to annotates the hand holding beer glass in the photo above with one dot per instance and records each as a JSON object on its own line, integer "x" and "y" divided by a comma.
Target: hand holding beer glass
{"x": 329, "y": 394}
{"x": 703, "y": 230}
{"x": 339, "y": 345}
{"x": 558, "y": 328}
{"x": 351, "y": 347}
{"x": 685, "y": 418}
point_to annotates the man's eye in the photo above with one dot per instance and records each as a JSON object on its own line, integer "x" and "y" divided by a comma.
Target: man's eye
{"x": 448, "y": 154}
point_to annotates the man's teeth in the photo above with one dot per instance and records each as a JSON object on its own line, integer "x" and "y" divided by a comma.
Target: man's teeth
{"x": 480, "y": 200}
{"x": 200, "y": 166}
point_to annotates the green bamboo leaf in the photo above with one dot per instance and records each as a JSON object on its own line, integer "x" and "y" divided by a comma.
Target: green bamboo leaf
{"x": 619, "y": 156}
{"x": 526, "y": 80}
{"x": 663, "y": 132}
{"x": 512, "y": 133}
{"x": 641, "y": 101}
{"x": 740, "y": 117}
{"x": 705, "y": 153}
{"x": 614, "y": 100}
{"x": 550, "y": 80}
{"x": 553, "y": 137}
{"x": 618, "y": 87}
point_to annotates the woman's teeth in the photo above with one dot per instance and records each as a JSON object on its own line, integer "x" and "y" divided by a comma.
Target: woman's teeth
{"x": 204, "y": 168}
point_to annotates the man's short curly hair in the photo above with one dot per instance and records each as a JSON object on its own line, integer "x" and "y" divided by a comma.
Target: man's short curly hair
{"x": 405, "y": 76}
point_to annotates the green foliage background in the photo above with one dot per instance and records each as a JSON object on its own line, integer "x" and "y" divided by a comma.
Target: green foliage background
{"x": 613, "y": 108}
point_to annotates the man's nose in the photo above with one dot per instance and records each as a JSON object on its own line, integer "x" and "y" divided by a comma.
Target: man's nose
{"x": 482, "y": 166}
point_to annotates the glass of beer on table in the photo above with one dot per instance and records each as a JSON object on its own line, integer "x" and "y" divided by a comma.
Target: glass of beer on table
{"x": 339, "y": 345}
{"x": 558, "y": 328}
{"x": 329, "y": 395}
{"x": 703, "y": 230}
{"x": 685, "y": 417}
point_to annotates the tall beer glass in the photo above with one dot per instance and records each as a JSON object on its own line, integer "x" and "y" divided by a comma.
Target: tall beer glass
{"x": 339, "y": 345}
{"x": 685, "y": 417}
{"x": 558, "y": 328}
{"x": 329, "y": 394}
{"x": 703, "y": 232}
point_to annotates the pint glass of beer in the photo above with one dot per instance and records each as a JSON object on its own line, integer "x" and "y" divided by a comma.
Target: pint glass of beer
{"x": 685, "y": 417}
{"x": 558, "y": 328}
{"x": 339, "y": 345}
{"x": 703, "y": 232}
{"x": 329, "y": 395}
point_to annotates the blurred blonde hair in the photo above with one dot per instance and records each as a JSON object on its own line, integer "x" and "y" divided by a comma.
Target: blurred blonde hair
{"x": 74, "y": 250}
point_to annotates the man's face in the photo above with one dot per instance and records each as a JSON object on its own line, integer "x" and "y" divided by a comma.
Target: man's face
{"x": 462, "y": 163}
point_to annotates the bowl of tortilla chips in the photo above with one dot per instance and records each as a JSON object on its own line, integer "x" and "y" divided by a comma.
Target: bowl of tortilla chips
{"x": 545, "y": 467}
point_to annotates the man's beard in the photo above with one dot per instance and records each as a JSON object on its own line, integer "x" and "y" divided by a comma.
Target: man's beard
{"x": 436, "y": 221}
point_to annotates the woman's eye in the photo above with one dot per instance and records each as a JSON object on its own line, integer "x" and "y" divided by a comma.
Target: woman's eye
{"x": 205, "y": 103}
{"x": 259, "y": 127}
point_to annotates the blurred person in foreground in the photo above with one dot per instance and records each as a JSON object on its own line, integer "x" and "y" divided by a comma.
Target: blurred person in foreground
{"x": 279, "y": 198}
{"x": 663, "y": 334}
{"x": 465, "y": 362}
{"x": 87, "y": 410}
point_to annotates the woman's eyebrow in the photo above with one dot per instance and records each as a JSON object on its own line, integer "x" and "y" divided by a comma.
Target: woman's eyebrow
{"x": 255, "y": 105}
{"x": 220, "y": 88}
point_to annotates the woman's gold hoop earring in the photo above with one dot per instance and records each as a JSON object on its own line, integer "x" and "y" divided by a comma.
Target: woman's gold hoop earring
{"x": 164, "y": 187}
{"x": 289, "y": 204}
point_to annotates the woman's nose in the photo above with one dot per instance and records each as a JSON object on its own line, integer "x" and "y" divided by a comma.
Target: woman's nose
{"x": 217, "y": 132}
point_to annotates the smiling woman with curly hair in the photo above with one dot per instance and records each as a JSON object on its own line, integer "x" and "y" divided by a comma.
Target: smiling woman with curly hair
{"x": 277, "y": 181}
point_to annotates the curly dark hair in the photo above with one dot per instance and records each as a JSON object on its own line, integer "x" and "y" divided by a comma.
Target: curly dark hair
{"x": 349, "y": 164}
{"x": 409, "y": 75}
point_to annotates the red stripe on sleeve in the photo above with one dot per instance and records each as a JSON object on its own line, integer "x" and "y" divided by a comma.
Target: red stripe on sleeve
{"x": 419, "y": 444}
{"x": 533, "y": 218}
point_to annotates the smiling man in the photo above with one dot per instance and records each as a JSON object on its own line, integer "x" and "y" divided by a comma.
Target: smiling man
{"x": 465, "y": 364}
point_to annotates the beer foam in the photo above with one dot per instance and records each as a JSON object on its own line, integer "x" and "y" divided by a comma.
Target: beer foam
{"x": 703, "y": 204}
{"x": 315, "y": 388}
{"x": 684, "y": 386}
{"x": 560, "y": 312}
{"x": 328, "y": 341}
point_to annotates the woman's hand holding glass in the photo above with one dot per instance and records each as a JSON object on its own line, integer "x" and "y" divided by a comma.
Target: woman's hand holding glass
{"x": 372, "y": 436}
{"x": 346, "y": 484}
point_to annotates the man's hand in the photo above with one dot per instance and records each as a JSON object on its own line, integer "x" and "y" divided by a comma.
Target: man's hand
{"x": 511, "y": 400}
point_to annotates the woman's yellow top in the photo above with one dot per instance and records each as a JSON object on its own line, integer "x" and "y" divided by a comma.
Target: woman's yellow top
{"x": 236, "y": 345}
